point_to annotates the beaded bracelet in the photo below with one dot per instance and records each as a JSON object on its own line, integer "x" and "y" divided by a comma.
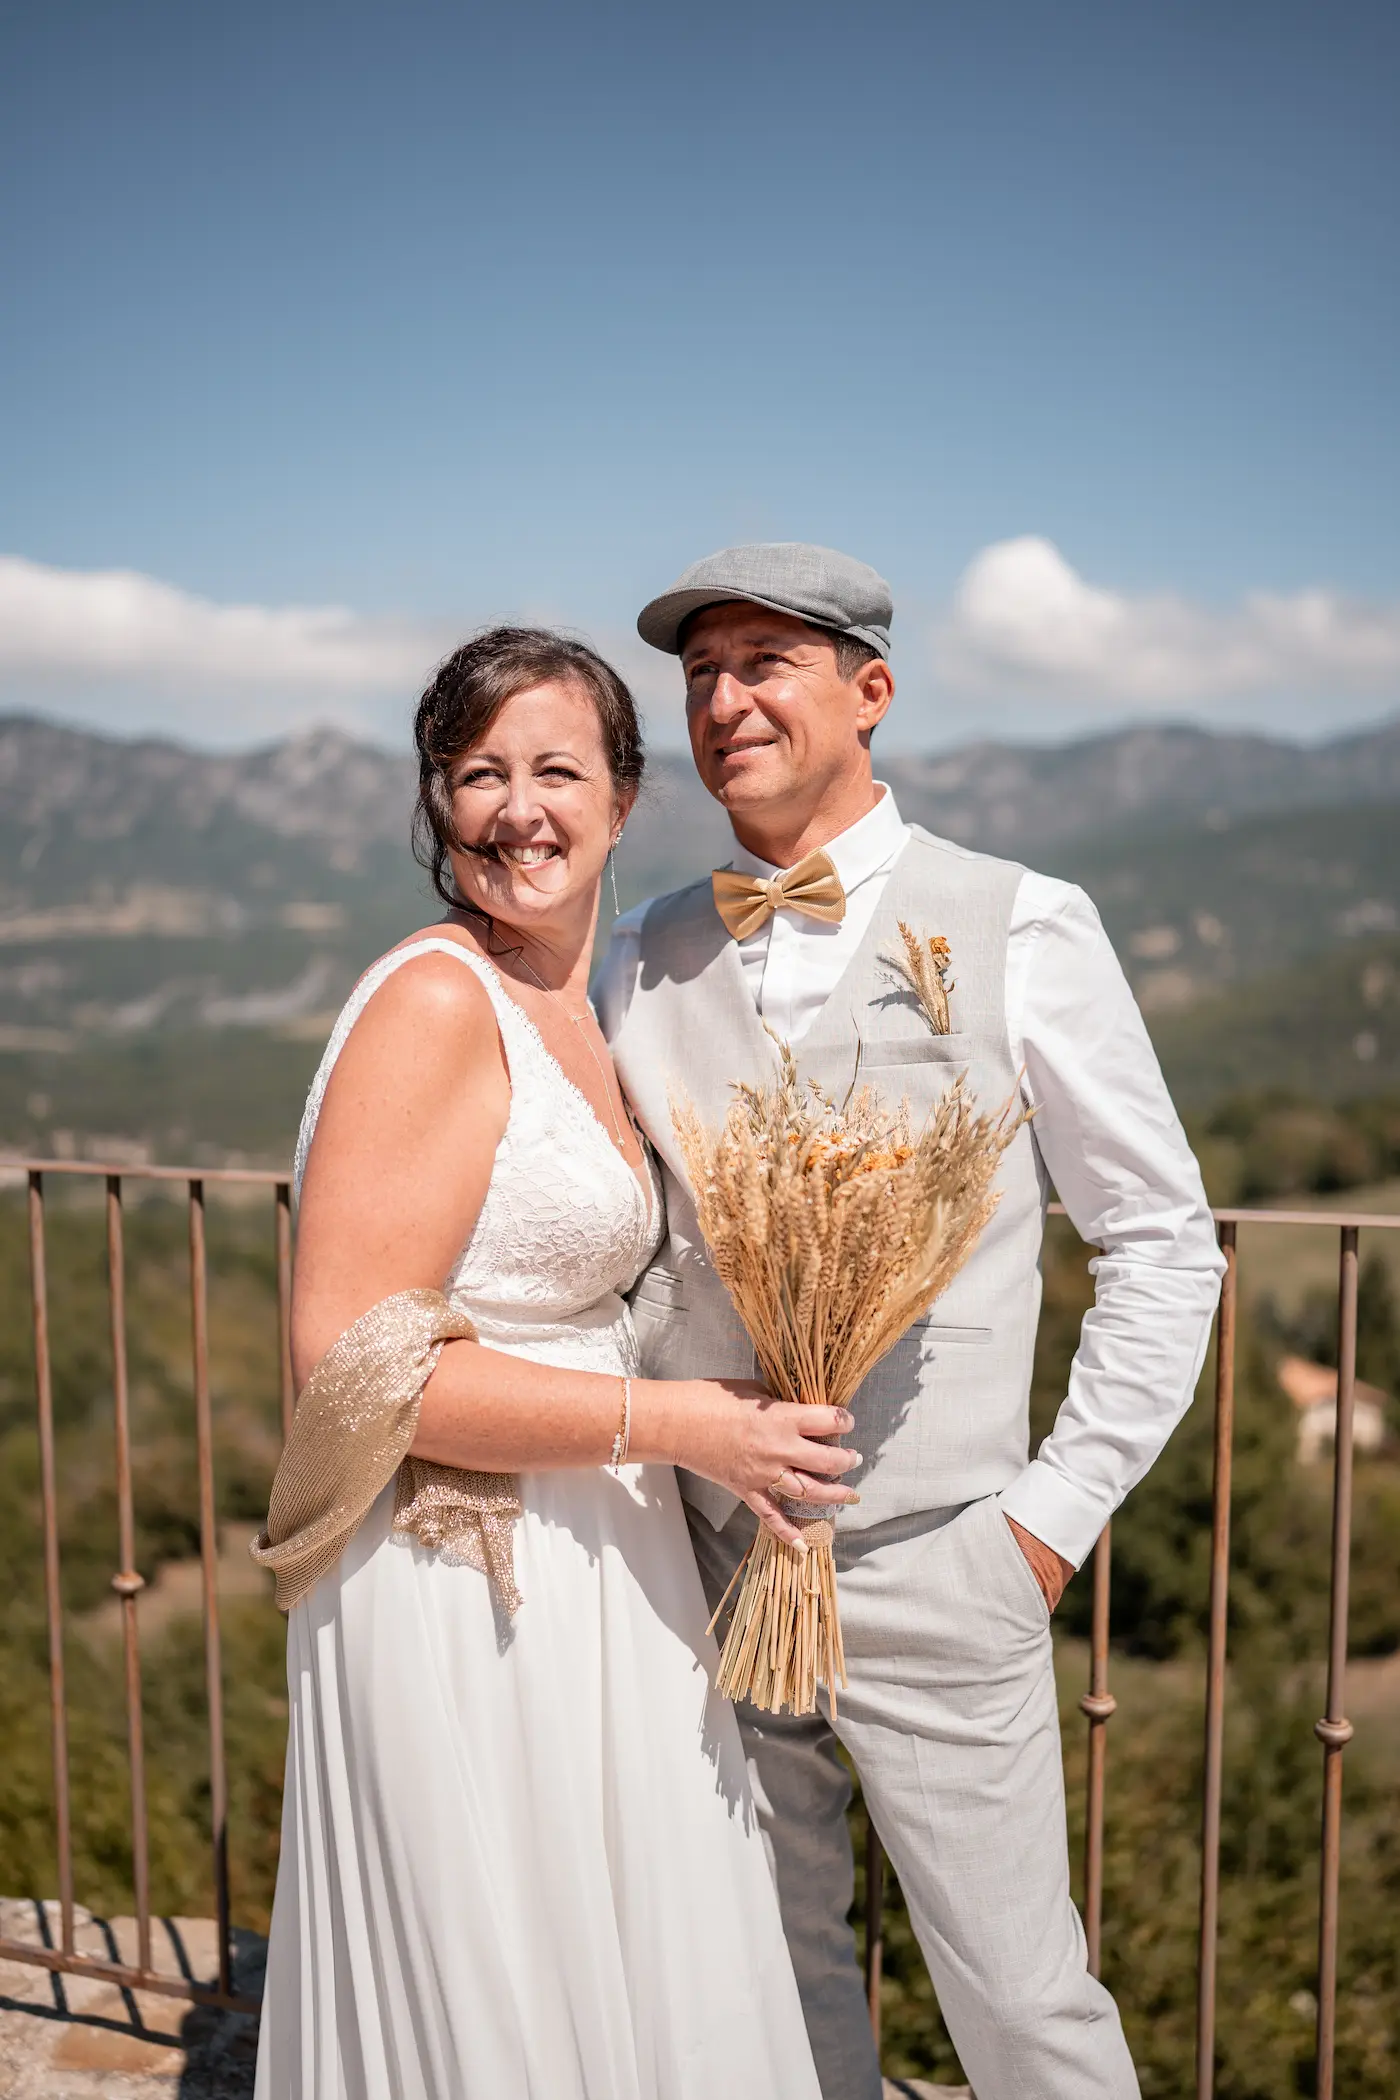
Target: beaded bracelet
{"x": 624, "y": 1429}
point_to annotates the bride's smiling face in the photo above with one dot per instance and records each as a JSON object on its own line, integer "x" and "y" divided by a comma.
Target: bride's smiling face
{"x": 535, "y": 808}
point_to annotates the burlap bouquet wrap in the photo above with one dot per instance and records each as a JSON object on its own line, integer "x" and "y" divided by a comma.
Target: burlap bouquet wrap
{"x": 355, "y": 1420}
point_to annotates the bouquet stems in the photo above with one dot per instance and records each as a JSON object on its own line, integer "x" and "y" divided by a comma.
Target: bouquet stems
{"x": 785, "y": 1636}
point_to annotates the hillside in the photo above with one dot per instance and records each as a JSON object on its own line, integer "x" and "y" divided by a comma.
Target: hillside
{"x": 1195, "y": 907}
{"x": 1327, "y": 1029}
{"x": 145, "y": 888}
{"x": 177, "y": 928}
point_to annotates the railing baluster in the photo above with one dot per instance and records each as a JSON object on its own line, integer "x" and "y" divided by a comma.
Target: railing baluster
{"x": 1215, "y": 1668}
{"x": 1099, "y": 1706}
{"x": 53, "y": 1589}
{"x": 284, "y": 1304}
{"x": 874, "y": 1923}
{"x": 1334, "y": 1730}
{"x": 209, "y": 1568}
{"x": 127, "y": 1582}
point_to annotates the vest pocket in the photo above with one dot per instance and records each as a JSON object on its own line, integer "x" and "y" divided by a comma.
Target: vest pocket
{"x": 659, "y": 1289}
{"x": 926, "y": 1049}
{"x": 939, "y": 1332}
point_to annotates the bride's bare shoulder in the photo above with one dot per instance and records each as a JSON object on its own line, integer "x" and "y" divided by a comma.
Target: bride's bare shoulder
{"x": 420, "y": 1079}
{"x": 430, "y": 999}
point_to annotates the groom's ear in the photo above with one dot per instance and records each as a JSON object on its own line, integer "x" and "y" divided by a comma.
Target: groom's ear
{"x": 874, "y": 681}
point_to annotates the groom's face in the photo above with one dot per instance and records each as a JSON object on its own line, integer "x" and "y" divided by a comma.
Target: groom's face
{"x": 772, "y": 723}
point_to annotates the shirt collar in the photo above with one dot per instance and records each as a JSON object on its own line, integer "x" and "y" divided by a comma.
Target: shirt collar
{"x": 857, "y": 853}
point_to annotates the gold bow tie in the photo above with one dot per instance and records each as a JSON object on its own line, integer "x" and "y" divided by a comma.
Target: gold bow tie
{"x": 813, "y": 887}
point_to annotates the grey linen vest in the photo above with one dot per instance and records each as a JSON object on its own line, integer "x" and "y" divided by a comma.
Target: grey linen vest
{"x": 943, "y": 1417}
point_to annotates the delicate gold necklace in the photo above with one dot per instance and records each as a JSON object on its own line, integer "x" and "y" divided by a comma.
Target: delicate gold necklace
{"x": 474, "y": 911}
{"x": 578, "y": 1021}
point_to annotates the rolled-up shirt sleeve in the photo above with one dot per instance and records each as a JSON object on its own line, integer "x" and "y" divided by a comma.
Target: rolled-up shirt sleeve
{"x": 1116, "y": 1152}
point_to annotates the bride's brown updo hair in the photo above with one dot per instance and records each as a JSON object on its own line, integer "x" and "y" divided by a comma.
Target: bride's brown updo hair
{"x": 464, "y": 699}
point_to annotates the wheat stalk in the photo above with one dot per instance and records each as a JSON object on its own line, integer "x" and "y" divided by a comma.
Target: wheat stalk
{"x": 924, "y": 966}
{"x": 833, "y": 1229}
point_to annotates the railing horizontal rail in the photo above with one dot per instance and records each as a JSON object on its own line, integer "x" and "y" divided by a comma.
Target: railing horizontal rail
{"x": 267, "y": 1177}
{"x": 1334, "y": 1730}
{"x": 124, "y": 1170}
{"x": 1384, "y": 1221}
{"x": 130, "y": 1978}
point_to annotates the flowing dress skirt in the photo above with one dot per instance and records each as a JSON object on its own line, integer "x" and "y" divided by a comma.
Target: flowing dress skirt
{"x": 523, "y": 1865}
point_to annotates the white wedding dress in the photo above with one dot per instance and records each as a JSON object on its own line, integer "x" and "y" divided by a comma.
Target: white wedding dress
{"x": 523, "y": 1864}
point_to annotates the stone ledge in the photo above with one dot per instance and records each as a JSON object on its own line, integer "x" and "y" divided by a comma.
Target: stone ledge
{"x": 76, "y": 2038}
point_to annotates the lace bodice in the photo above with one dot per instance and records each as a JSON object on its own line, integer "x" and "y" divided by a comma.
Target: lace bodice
{"x": 566, "y": 1225}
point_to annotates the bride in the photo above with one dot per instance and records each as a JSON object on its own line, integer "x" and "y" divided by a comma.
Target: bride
{"x": 518, "y": 1853}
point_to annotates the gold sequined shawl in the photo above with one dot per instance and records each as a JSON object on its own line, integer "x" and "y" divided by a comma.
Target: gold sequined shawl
{"x": 355, "y": 1419}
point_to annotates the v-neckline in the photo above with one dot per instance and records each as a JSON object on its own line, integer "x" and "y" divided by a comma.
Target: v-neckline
{"x": 646, "y": 1189}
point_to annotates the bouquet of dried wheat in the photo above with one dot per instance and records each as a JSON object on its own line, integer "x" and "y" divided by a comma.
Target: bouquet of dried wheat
{"x": 833, "y": 1227}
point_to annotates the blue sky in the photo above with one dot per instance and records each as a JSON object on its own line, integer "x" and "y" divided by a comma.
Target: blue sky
{"x": 1079, "y": 322}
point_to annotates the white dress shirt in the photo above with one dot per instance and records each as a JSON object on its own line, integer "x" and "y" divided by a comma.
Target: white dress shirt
{"x": 1106, "y": 1129}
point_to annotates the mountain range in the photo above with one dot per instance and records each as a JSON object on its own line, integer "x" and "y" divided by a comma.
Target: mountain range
{"x": 158, "y": 901}
{"x": 337, "y": 799}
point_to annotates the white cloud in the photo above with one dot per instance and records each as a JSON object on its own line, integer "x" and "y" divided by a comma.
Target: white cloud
{"x": 115, "y": 624}
{"x": 1023, "y": 619}
{"x": 1027, "y": 647}
{"x": 128, "y": 653}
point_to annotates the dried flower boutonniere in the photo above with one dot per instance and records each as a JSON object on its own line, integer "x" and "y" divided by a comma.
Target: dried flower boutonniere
{"x": 924, "y": 965}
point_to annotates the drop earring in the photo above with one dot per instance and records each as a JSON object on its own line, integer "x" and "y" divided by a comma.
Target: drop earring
{"x": 612, "y": 876}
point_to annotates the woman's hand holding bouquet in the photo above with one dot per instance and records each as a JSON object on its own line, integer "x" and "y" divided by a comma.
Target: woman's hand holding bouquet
{"x": 734, "y": 1432}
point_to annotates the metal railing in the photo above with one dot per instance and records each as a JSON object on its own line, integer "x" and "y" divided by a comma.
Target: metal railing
{"x": 128, "y": 1582}
{"x": 1334, "y": 1730}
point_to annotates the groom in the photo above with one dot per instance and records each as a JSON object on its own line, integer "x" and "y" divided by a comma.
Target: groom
{"x": 960, "y": 1546}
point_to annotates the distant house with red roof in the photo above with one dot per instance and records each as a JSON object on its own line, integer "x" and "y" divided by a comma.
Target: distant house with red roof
{"x": 1313, "y": 1390}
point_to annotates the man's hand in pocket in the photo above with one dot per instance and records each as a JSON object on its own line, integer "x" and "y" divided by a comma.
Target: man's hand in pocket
{"x": 1049, "y": 1570}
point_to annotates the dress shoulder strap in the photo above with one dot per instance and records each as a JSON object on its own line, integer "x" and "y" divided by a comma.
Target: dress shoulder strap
{"x": 512, "y": 1023}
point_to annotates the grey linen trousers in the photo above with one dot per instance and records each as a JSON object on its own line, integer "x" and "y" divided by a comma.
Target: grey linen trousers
{"x": 950, "y": 1719}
